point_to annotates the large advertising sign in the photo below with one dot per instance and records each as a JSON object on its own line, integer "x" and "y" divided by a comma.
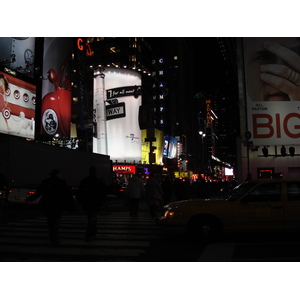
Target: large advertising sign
{"x": 17, "y": 106}
{"x": 56, "y": 89}
{"x": 272, "y": 67}
{"x": 116, "y": 110}
{"x": 170, "y": 147}
{"x": 18, "y": 53}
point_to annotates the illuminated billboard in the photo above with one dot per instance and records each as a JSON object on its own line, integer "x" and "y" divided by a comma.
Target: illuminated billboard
{"x": 18, "y": 53}
{"x": 159, "y": 150}
{"x": 272, "y": 67}
{"x": 116, "y": 110}
{"x": 17, "y": 105}
{"x": 56, "y": 89}
{"x": 170, "y": 147}
{"x": 124, "y": 169}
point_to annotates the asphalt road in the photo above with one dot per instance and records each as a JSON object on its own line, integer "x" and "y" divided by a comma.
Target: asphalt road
{"x": 24, "y": 237}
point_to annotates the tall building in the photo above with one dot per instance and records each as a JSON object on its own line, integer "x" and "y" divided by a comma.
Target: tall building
{"x": 181, "y": 117}
{"x": 217, "y": 84}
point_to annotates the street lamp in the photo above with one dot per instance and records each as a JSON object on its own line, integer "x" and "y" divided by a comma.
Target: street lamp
{"x": 202, "y": 134}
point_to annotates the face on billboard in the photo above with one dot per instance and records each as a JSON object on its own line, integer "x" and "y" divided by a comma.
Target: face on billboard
{"x": 269, "y": 63}
{"x": 272, "y": 67}
{"x": 17, "y": 106}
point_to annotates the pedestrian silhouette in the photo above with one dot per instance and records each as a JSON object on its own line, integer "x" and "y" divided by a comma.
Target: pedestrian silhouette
{"x": 168, "y": 189}
{"x": 91, "y": 195}
{"x": 55, "y": 198}
{"x": 135, "y": 193}
{"x": 154, "y": 194}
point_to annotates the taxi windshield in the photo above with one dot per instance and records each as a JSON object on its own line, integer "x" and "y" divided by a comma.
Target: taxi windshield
{"x": 239, "y": 190}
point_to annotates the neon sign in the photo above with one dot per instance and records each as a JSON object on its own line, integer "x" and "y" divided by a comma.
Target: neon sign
{"x": 83, "y": 46}
{"x": 124, "y": 169}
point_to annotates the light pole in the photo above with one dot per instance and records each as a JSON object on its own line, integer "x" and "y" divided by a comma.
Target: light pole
{"x": 202, "y": 134}
{"x": 100, "y": 112}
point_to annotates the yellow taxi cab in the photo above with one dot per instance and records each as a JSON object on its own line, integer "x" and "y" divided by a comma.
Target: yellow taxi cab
{"x": 254, "y": 206}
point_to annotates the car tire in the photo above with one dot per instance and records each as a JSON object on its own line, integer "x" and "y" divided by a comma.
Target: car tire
{"x": 204, "y": 228}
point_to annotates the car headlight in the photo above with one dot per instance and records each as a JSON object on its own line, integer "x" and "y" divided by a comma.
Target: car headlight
{"x": 173, "y": 214}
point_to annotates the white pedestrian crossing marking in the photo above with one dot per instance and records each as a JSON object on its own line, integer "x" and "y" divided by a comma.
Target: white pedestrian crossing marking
{"x": 120, "y": 239}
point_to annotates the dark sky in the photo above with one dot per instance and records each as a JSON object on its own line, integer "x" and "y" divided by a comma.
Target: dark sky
{"x": 209, "y": 64}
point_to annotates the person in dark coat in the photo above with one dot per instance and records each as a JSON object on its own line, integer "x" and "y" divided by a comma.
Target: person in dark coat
{"x": 154, "y": 195}
{"x": 135, "y": 193}
{"x": 55, "y": 195}
{"x": 92, "y": 194}
{"x": 168, "y": 189}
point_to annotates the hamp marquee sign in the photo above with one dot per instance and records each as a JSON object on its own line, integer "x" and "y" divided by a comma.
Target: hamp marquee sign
{"x": 124, "y": 169}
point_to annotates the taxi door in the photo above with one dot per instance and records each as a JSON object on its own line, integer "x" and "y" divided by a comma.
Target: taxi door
{"x": 262, "y": 209}
{"x": 292, "y": 206}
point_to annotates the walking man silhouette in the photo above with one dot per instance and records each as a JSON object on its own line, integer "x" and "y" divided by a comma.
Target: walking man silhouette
{"x": 92, "y": 194}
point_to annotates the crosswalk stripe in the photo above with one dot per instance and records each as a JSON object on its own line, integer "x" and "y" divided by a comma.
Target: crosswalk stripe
{"x": 75, "y": 251}
{"x": 116, "y": 238}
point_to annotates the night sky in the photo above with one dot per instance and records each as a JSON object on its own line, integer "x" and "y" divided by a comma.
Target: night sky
{"x": 209, "y": 65}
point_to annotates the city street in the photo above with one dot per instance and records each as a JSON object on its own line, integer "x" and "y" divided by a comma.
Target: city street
{"x": 120, "y": 238}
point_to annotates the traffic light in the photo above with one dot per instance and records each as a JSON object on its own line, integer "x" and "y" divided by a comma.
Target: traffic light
{"x": 265, "y": 151}
{"x": 283, "y": 151}
{"x": 292, "y": 151}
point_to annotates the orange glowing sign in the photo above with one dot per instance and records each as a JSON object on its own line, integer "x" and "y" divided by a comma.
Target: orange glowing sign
{"x": 83, "y": 46}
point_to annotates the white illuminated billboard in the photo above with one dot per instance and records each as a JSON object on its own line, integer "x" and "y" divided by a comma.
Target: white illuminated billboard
{"x": 272, "y": 67}
{"x": 17, "y": 105}
{"x": 228, "y": 172}
{"x": 116, "y": 110}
